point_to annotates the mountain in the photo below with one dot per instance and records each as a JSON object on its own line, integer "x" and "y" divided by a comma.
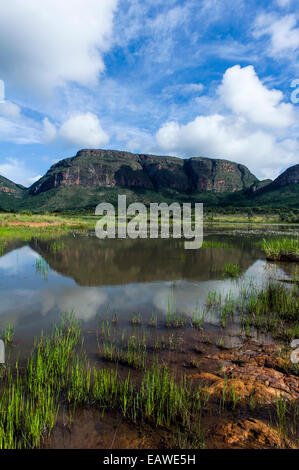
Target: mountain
{"x": 287, "y": 178}
{"x": 11, "y": 194}
{"x": 92, "y": 176}
{"x": 110, "y": 168}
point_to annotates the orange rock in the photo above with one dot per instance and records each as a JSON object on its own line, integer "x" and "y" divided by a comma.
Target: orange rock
{"x": 244, "y": 431}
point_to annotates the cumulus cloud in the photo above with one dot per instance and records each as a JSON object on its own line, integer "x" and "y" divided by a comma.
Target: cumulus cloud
{"x": 82, "y": 130}
{"x": 243, "y": 93}
{"x": 16, "y": 170}
{"x": 282, "y": 31}
{"x": 249, "y": 129}
{"x": 53, "y": 42}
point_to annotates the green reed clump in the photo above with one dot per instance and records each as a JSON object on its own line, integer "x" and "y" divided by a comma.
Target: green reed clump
{"x": 25, "y": 418}
{"x": 29, "y": 403}
{"x": 131, "y": 351}
{"x": 213, "y": 298}
{"x": 136, "y": 319}
{"x": 8, "y": 333}
{"x": 52, "y": 355}
{"x": 159, "y": 399}
{"x": 79, "y": 382}
{"x": 198, "y": 319}
{"x": 153, "y": 321}
{"x": 231, "y": 270}
{"x": 273, "y": 308}
{"x": 228, "y": 309}
{"x": 278, "y": 248}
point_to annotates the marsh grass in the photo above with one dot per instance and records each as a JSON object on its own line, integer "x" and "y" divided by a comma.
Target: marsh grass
{"x": 285, "y": 416}
{"x": 153, "y": 321}
{"x": 29, "y": 402}
{"x": 127, "y": 350}
{"x": 198, "y": 319}
{"x": 278, "y": 248}
{"x": 136, "y": 319}
{"x": 274, "y": 308}
{"x": 8, "y": 333}
{"x": 231, "y": 270}
{"x": 174, "y": 319}
{"x": 213, "y": 298}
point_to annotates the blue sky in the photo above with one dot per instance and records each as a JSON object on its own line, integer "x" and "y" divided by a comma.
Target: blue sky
{"x": 170, "y": 77}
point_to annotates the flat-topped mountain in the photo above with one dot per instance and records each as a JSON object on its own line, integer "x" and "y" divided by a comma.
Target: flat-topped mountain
{"x": 111, "y": 168}
{"x": 93, "y": 176}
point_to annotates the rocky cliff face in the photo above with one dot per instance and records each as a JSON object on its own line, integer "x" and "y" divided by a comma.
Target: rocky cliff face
{"x": 290, "y": 176}
{"x": 10, "y": 194}
{"x": 109, "y": 168}
{"x": 9, "y": 188}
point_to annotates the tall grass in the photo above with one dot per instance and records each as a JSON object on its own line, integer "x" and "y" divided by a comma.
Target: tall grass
{"x": 274, "y": 308}
{"x": 231, "y": 270}
{"x": 29, "y": 403}
{"x": 277, "y": 248}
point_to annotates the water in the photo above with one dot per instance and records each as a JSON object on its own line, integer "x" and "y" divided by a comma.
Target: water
{"x": 40, "y": 280}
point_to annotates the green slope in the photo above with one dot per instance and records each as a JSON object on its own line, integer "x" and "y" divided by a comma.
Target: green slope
{"x": 11, "y": 194}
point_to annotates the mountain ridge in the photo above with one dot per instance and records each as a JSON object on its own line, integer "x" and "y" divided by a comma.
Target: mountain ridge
{"x": 93, "y": 175}
{"x": 110, "y": 168}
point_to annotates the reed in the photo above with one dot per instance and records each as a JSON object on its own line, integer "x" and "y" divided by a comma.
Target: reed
{"x": 29, "y": 403}
{"x": 231, "y": 270}
{"x": 8, "y": 333}
{"x": 277, "y": 249}
{"x": 274, "y": 308}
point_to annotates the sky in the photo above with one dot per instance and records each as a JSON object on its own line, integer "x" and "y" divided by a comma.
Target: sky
{"x": 186, "y": 78}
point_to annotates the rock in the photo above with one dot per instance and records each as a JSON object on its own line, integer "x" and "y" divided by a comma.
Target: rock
{"x": 246, "y": 432}
{"x": 249, "y": 374}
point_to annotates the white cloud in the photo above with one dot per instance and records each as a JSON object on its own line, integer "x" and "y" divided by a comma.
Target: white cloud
{"x": 17, "y": 171}
{"x": 52, "y": 42}
{"x": 283, "y": 3}
{"x": 243, "y": 93}
{"x": 33, "y": 179}
{"x": 250, "y": 133}
{"x": 283, "y": 33}
{"x": 184, "y": 89}
{"x": 9, "y": 109}
{"x": 79, "y": 130}
{"x": 20, "y": 130}
{"x": 49, "y": 131}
